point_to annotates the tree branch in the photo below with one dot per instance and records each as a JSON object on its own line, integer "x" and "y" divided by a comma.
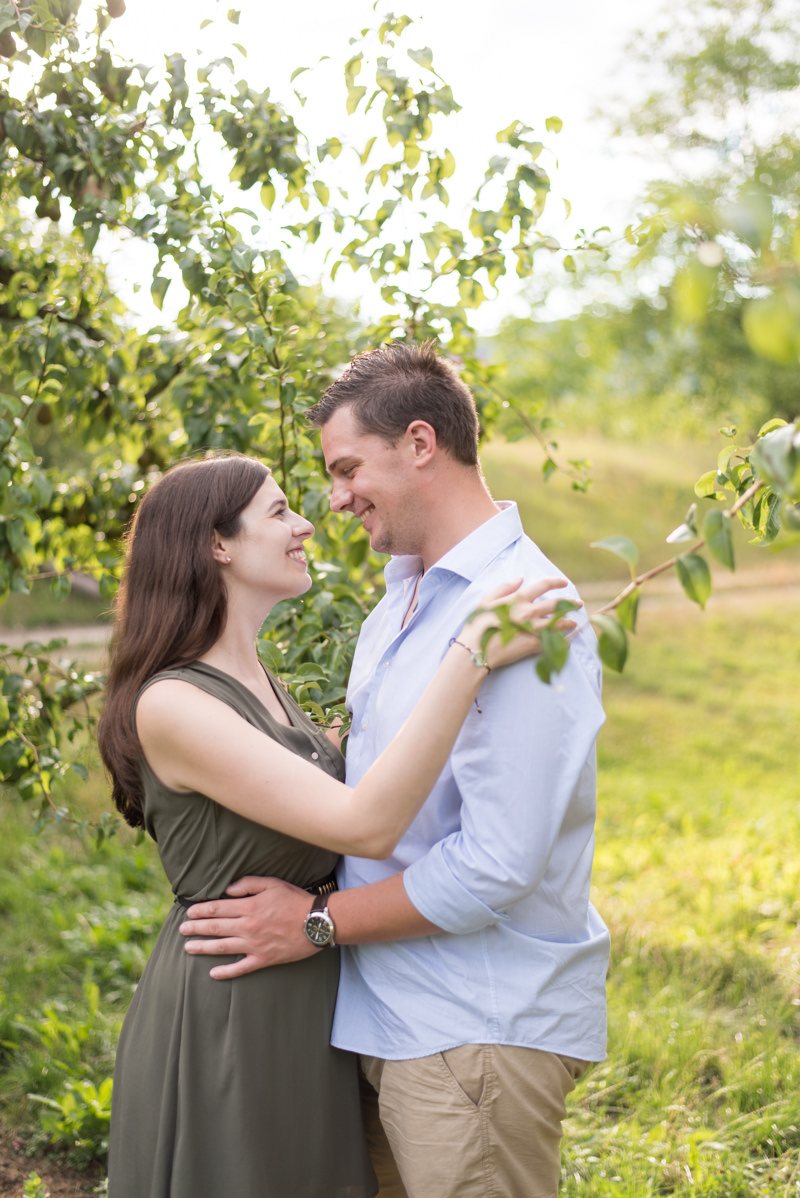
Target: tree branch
{"x": 635, "y": 583}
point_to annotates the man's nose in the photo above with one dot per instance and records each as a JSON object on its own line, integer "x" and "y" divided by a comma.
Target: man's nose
{"x": 341, "y": 496}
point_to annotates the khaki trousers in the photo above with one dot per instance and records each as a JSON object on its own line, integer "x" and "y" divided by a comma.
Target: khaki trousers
{"x": 477, "y": 1121}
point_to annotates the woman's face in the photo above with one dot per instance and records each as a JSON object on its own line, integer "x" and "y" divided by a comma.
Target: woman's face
{"x": 267, "y": 554}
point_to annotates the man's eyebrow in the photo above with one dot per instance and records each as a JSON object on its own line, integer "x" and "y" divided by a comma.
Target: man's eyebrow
{"x": 338, "y": 463}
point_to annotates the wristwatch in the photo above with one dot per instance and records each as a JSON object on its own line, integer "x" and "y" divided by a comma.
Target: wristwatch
{"x": 318, "y": 925}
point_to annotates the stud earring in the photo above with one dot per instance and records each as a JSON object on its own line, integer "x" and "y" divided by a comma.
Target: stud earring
{"x": 227, "y": 559}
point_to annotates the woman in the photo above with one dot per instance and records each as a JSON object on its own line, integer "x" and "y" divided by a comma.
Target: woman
{"x": 231, "y": 1088}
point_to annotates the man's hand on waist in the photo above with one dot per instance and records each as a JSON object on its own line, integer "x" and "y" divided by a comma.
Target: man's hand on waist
{"x": 262, "y": 920}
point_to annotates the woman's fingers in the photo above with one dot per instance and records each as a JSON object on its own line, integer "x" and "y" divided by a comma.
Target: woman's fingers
{"x": 539, "y": 613}
{"x": 516, "y": 591}
{"x": 528, "y": 609}
{"x": 502, "y": 593}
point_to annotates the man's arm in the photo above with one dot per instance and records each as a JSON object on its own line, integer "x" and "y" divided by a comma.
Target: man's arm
{"x": 264, "y": 922}
{"x": 525, "y": 775}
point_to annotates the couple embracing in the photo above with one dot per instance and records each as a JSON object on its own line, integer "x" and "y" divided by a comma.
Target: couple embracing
{"x": 452, "y": 861}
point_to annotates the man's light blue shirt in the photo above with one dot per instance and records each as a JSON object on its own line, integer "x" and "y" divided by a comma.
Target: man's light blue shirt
{"x": 500, "y": 855}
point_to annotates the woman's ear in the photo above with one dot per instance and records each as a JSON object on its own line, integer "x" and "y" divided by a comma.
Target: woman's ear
{"x": 218, "y": 550}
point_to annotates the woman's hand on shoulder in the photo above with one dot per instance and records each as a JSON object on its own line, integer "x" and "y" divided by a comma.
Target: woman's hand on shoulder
{"x": 525, "y": 606}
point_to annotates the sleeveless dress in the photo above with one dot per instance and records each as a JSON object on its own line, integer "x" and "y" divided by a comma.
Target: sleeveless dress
{"x": 230, "y": 1089}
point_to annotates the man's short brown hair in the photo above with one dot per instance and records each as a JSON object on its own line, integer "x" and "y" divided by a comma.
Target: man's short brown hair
{"x": 390, "y": 387}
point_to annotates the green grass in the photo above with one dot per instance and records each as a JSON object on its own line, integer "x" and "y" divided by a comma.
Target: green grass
{"x": 76, "y": 927}
{"x": 697, "y": 875}
{"x": 639, "y": 490}
{"x": 42, "y": 608}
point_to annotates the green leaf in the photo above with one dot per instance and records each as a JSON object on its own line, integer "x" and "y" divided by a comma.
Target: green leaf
{"x": 553, "y": 656}
{"x": 354, "y": 98}
{"x": 771, "y": 425}
{"x": 108, "y": 586}
{"x": 627, "y": 610}
{"x": 233, "y": 17}
{"x": 620, "y": 546}
{"x": 790, "y": 518}
{"x": 685, "y": 531}
{"x": 423, "y": 58}
{"x": 717, "y": 533}
{"x": 707, "y": 486}
{"x": 695, "y": 577}
{"x": 271, "y": 655}
{"x": 333, "y": 147}
{"x": 158, "y": 289}
{"x": 268, "y": 195}
{"x": 238, "y": 46}
{"x": 692, "y": 289}
{"x": 776, "y": 459}
{"x": 554, "y": 124}
{"x": 771, "y": 324}
{"x": 352, "y": 68}
{"x": 296, "y": 72}
{"x": 471, "y": 293}
{"x": 612, "y": 641}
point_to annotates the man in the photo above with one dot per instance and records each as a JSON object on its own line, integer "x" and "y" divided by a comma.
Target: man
{"x": 473, "y": 984}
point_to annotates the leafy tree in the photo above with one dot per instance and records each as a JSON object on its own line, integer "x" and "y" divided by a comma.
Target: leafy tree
{"x": 92, "y": 409}
{"x": 728, "y": 217}
{"x": 700, "y": 294}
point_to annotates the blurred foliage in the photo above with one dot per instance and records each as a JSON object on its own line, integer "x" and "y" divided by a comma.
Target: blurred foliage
{"x": 695, "y": 308}
{"x": 632, "y": 373}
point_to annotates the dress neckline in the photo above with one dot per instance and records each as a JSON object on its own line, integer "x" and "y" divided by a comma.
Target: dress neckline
{"x": 277, "y": 690}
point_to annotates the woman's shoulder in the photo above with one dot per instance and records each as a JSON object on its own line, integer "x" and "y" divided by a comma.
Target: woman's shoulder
{"x": 167, "y": 696}
{"x": 195, "y": 674}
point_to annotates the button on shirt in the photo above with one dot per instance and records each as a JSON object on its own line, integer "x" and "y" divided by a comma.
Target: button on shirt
{"x": 500, "y": 855}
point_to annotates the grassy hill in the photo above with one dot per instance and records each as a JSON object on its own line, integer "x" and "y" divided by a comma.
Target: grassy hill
{"x": 640, "y": 490}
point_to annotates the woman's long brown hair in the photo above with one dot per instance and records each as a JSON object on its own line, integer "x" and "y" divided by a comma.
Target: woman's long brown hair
{"x": 172, "y": 602}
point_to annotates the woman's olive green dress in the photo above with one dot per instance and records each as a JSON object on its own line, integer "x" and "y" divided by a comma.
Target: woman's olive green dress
{"x": 230, "y": 1089}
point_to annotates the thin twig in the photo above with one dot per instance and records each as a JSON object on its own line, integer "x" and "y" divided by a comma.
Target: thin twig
{"x": 635, "y": 583}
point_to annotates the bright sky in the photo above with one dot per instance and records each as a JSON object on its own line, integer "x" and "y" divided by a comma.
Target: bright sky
{"x": 505, "y": 60}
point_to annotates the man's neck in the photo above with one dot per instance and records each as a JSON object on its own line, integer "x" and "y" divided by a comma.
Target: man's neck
{"x": 458, "y": 513}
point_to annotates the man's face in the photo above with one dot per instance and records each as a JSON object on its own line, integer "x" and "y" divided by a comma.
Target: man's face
{"x": 376, "y": 481}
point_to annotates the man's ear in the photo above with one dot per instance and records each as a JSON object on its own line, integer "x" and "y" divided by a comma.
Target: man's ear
{"x": 421, "y": 438}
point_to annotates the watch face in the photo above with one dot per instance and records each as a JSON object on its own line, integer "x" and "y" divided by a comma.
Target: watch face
{"x": 319, "y": 929}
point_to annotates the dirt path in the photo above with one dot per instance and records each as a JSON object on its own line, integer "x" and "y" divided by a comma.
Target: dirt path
{"x": 779, "y": 579}
{"x": 58, "y": 1179}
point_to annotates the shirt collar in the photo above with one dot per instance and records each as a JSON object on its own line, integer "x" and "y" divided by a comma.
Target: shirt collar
{"x": 472, "y": 554}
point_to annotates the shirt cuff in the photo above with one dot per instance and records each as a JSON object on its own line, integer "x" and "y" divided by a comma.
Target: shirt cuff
{"x": 443, "y": 899}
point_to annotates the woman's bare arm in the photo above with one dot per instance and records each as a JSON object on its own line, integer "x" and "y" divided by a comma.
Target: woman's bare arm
{"x": 194, "y": 742}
